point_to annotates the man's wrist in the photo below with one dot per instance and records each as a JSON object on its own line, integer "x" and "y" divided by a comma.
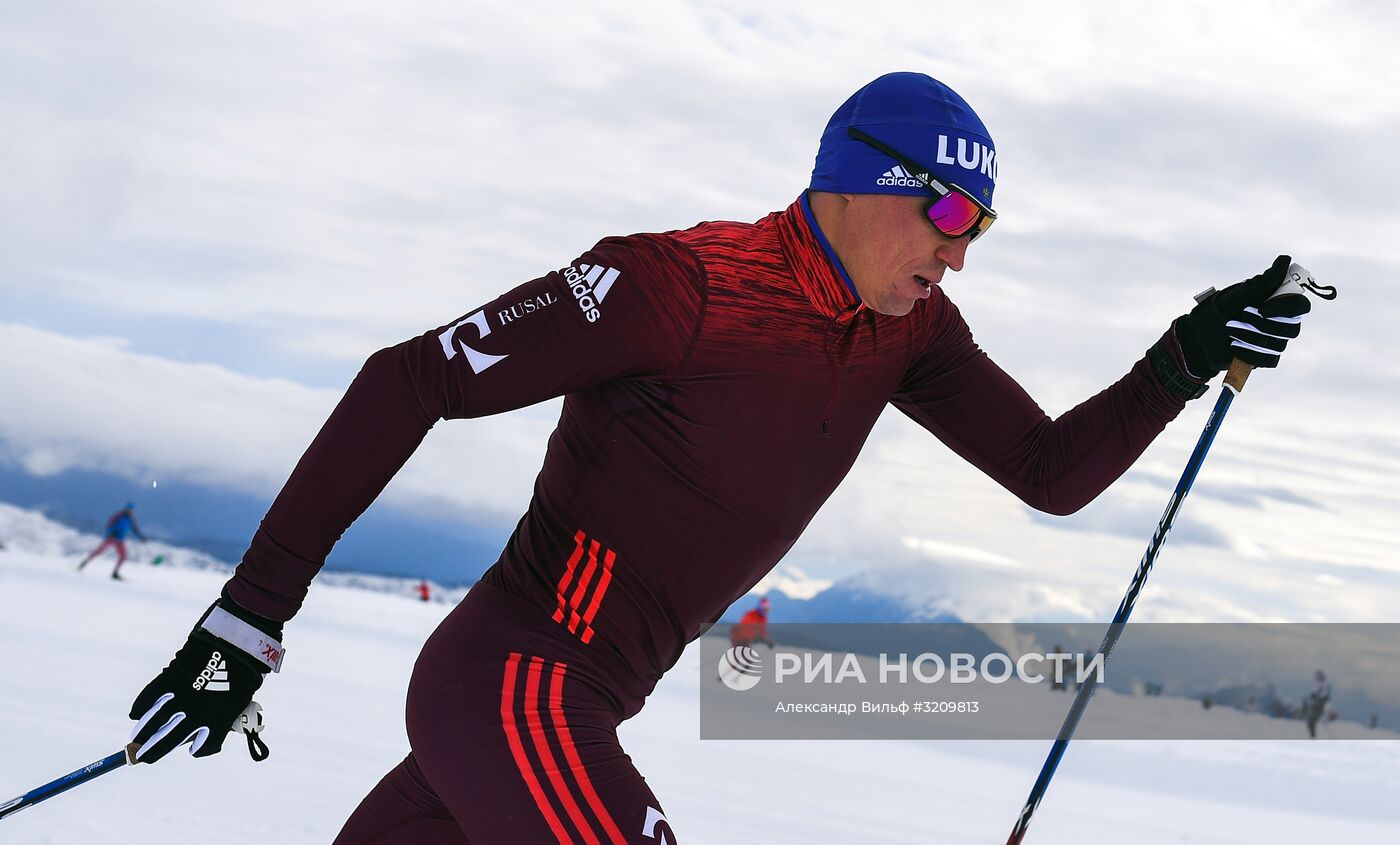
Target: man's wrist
{"x": 1169, "y": 367}
{"x": 257, "y": 620}
{"x": 257, "y": 637}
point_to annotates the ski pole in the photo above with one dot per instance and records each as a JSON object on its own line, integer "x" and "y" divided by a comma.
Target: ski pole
{"x": 76, "y": 778}
{"x": 250, "y": 721}
{"x": 1298, "y": 280}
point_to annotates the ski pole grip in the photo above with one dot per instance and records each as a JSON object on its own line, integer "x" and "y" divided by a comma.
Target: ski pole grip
{"x": 1293, "y": 282}
{"x": 1237, "y": 374}
{"x": 131, "y": 750}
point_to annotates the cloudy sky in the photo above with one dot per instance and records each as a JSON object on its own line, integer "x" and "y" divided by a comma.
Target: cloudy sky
{"x": 211, "y": 214}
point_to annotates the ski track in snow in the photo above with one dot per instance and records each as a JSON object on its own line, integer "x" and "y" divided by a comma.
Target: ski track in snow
{"x": 78, "y": 647}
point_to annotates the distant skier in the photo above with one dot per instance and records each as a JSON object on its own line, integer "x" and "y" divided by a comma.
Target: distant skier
{"x": 752, "y": 627}
{"x": 1317, "y": 702}
{"x": 424, "y": 591}
{"x": 122, "y": 523}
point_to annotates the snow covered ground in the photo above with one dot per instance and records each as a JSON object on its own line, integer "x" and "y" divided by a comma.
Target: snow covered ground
{"x": 77, "y": 647}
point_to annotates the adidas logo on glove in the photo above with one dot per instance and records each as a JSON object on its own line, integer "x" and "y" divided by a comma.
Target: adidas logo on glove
{"x": 214, "y": 676}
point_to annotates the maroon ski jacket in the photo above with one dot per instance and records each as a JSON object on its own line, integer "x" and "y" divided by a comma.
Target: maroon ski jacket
{"x": 719, "y": 383}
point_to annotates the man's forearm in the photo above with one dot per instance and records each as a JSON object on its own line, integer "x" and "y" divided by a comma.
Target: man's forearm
{"x": 374, "y": 429}
{"x": 1056, "y": 466}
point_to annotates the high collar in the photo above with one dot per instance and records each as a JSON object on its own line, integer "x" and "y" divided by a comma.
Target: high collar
{"x": 814, "y": 263}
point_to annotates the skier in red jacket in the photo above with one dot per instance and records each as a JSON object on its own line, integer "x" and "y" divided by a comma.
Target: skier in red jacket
{"x": 719, "y": 382}
{"x": 752, "y": 626}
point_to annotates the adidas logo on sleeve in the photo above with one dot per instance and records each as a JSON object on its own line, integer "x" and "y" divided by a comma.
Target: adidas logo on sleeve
{"x": 590, "y": 283}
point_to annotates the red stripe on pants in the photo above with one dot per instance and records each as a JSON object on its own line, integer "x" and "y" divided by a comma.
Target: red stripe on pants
{"x": 517, "y": 750}
{"x": 561, "y": 728}
{"x": 551, "y": 768}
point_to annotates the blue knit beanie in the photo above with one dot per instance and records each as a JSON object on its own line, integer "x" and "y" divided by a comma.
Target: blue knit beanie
{"x": 919, "y": 117}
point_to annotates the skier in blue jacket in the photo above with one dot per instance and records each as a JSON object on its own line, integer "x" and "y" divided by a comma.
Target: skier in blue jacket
{"x": 121, "y": 523}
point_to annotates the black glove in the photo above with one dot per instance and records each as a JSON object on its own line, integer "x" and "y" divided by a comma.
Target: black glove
{"x": 204, "y": 690}
{"x": 1245, "y": 321}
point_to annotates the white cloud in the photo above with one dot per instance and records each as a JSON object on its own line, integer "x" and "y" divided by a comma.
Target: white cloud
{"x": 949, "y": 552}
{"x": 76, "y": 403}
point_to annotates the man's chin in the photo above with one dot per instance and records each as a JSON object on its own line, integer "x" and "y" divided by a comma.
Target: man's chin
{"x": 898, "y": 308}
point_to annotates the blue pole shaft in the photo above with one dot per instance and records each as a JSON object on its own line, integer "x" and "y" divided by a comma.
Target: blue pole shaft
{"x": 54, "y": 787}
{"x": 1125, "y": 608}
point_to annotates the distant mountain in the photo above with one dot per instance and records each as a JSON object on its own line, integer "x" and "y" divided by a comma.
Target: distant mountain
{"x": 882, "y": 601}
{"x": 890, "y": 594}
{"x": 220, "y": 523}
{"x": 23, "y": 530}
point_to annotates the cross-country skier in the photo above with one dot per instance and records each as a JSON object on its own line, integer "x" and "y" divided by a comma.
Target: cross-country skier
{"x": 718, "y": 383}
{"x": 1316, "y": 704}
{"x": 119, "y": 525}
{"x": 752, "y": 627}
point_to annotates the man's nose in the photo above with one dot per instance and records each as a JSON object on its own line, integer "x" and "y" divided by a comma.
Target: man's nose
{"x": 954, "y": 252}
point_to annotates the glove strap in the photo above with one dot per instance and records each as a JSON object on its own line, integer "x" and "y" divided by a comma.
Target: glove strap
{"x": 1169, "y": 373}
{"x": 248, "y": 638}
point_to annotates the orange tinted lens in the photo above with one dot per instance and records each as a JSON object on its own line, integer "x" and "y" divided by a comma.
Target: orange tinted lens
{"x": 982, "y": 226}
{"x": 953, "y": 214}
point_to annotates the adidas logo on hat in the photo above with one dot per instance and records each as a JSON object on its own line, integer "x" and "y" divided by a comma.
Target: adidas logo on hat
{"x": 900, "y": 177}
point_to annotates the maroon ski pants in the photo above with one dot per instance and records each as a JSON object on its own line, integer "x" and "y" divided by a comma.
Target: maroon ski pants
{"x": 512, "y": 724}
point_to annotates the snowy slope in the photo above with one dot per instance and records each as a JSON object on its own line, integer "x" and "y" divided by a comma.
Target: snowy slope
{"x": 78, "y": 647}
